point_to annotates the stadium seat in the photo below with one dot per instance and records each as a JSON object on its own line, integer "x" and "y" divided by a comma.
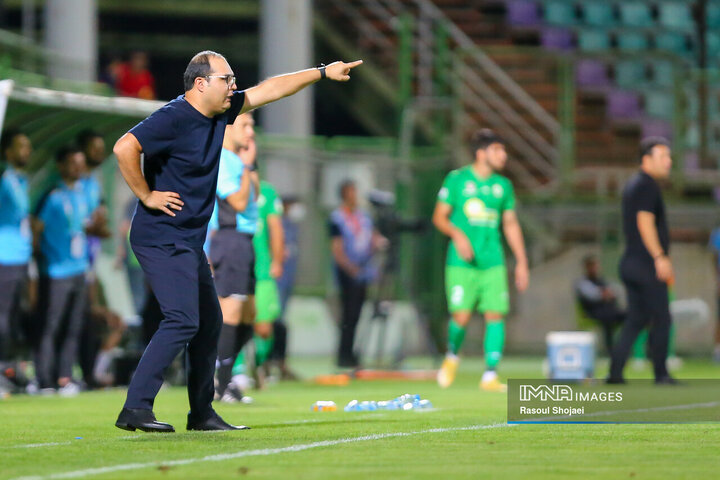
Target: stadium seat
{"x": 653, "y": 127}
{"x": 713, "y": 45}
{"x": 622, "y": 104}
{"x": 556, "y": 38}
{"x": 676, "y": 16}
{"x": 712, "y": 15}
{"x": 591, "y": 74}
{"x": 522, "y": 13}
{"x": 663, "y": 72}
{"x": 659, "y": 104}
{"x": 632, "y": 41}
{"x": 593, "y": 40}
{"x": 673, "y": 42}
{"x": 598, "y": 14}
{"x": 630, "y": 74}
{"x": 635, "y": 14}
{"x": 559, "y": 12}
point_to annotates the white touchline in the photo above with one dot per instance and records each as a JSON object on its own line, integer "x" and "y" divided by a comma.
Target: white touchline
{"x": 37, "y": 445}
{"x": 252, "y": 453}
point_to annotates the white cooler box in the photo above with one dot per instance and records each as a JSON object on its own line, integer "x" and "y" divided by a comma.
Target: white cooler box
{"x": 571, "y": 355}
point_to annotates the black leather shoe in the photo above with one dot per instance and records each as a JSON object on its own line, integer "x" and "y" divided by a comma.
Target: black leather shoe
{"x": 141, "y": 419}
{"x": 213, "y": 423}
{"x": 667, "y": 381}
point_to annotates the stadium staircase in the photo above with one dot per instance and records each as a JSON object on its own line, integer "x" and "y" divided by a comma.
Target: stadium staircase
{"x": 428, "y": 59}
{"x": 572, "y": 85}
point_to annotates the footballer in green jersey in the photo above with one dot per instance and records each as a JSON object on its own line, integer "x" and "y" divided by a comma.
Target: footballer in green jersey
{"x": 475, "y": 206}
{"x": 268, "y": 244}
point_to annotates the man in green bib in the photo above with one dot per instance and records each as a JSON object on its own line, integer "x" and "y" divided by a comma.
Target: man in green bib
{"x": 473, "y": 204}
{"x": 269, "y": 245}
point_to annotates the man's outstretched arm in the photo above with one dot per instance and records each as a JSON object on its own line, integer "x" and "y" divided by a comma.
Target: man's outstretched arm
{"x": 281, "y": 86}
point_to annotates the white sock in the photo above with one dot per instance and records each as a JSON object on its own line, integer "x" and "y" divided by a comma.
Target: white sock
{"x": 102, "y": 363}
{"x": 451, "y": 356}
{"x": 489, "y": 375}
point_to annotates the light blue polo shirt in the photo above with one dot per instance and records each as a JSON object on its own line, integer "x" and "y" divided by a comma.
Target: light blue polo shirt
{"x": 91, "y": 187}
{"x": 63, "y": 244}
{"x": 15, "y": 235}
{"x": 229, "y": 176}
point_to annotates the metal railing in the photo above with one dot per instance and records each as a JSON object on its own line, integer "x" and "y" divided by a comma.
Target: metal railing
{"x": 481, "y": 85}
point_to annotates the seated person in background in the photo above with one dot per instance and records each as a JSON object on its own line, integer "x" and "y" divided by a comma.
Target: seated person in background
{"x": 598, "y": 299}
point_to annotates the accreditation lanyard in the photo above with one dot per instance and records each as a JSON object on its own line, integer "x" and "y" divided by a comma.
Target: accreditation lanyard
{"x": 75, "y": 213}
{"x": 18, "y": 190}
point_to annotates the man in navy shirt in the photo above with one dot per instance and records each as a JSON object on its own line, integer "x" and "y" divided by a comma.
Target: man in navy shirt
{"x": 60, "y": 224}
{"x": 181, "y": 143}
{"x": 645, "y": 267}
{"x": 15, "y": 235}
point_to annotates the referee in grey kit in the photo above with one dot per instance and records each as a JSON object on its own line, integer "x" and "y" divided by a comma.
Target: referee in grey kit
{"x": 176, "y": 190}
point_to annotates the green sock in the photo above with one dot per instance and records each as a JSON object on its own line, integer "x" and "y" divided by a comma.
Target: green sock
{"x": 239, "y": 365}
{"x": 263, "y": 347}
{"x": 494, "y": 342}
{"x": 640, "y": 346}
{"x": 456, "y": 336}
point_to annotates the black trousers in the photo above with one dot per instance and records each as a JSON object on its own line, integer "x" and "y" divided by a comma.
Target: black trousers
{"x": 180, "y": 278}
{"x": 352, "y": 298}
{"x": 12, "y": 278}
{"x": 62, "y": 308}
{"x": 648, "y": 305}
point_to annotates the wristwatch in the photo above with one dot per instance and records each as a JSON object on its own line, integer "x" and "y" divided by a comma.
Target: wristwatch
{"x": 321, "y": 67}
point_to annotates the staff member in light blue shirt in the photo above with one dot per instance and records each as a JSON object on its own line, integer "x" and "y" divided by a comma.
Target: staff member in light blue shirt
{"x": 231, "y": 249}
{"x": 60, "y": 226}
{"x": 15, "y": 235}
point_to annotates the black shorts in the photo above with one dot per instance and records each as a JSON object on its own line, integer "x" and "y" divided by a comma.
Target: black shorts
{"x": 233, "y": 259}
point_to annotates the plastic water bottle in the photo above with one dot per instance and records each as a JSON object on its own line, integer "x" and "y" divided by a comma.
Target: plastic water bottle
{"x": 323, "y": 406}
{"x": 352, "y": 406}
{"x": 424, "y": 404}
{"x": 388, "y": 405}
{"x": 368, "y": 406}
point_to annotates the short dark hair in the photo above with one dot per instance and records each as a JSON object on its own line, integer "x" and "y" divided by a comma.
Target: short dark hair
{"x": 344, "y": 185}
{"x": 199, "y": 66}
{"x": 84, "y": 138}
{"x": 648, "y": 143}
{"x": 65, "y": 151}
{"x": 590, "y": 258}
{"x": 483, "y": 138}
{"x": 6, "y": 140}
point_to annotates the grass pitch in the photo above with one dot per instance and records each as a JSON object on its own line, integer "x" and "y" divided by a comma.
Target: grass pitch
{"x": 465, "y": 436}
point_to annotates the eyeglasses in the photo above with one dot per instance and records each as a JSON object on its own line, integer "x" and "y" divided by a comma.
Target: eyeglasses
{"x": 229, "y": 79}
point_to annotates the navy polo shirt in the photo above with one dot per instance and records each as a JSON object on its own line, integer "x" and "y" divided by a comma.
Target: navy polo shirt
{"x": 182, "y": 152}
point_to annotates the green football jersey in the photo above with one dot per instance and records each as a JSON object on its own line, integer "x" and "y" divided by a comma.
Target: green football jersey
{"x": 268, "y": 204}
{"x": 477, "y": 208}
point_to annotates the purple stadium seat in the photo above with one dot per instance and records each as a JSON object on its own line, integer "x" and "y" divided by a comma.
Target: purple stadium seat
{"x": 692, "y": 162}
{"x": 653, "y": 127}
{"x": 591, "y": 74}
{"x": 522, "y": 13}
{"x": 556, "y": 39}
{"x": 622, "y": 104}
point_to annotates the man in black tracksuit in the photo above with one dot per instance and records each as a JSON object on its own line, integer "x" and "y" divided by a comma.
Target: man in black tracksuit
{"x": 645, "y": 267}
